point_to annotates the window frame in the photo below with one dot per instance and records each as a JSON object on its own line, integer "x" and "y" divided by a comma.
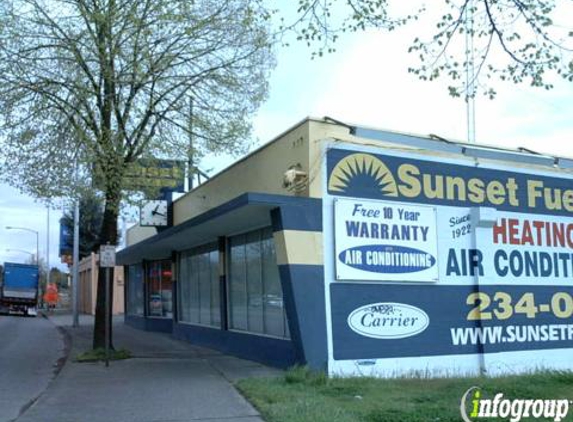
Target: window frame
{"x": 205, "y": 248}
{"x": 286, "y": 329}
{"x": 130, "y": 289}
{"x": 147, "y": 290}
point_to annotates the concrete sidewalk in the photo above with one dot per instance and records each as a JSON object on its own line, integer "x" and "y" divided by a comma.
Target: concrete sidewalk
{"x": 166, "y": 381}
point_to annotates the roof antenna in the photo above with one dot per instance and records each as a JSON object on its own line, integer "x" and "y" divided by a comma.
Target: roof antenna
{"x": 338, "y": 122}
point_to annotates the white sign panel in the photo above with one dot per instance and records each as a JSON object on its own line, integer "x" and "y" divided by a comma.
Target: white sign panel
{"x": 385, "y": 241}
{"x": 107, "y": 256}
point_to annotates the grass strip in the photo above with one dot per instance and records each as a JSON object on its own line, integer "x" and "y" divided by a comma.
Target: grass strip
{"x": 301, "y": 396}
{"x": 98, "y": 355}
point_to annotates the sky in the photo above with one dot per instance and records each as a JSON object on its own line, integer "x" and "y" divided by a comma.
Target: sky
{"x": 366, "y": 83}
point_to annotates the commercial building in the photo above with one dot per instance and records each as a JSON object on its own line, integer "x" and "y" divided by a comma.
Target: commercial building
{"x": 362, "y": 251}
{"x": 88, "y": 276}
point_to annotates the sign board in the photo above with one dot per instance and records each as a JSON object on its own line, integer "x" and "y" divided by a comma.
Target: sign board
{"x": 66, "y": 239}
{"x": 152, "y": 174}
{"x": 107, "y": 256}
{"x": 385, "y": 241}
{"x": 502, "y": 292}
{"x": 155, "y": 173}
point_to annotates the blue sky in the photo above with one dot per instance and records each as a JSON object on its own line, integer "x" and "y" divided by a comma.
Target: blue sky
{"x": 365, "y": 82}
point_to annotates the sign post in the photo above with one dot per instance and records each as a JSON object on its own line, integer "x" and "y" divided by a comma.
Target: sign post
{"x": 107, "y": 261}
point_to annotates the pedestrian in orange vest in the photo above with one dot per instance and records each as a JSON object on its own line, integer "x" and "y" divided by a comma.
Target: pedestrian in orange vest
{"x": 51, "y": 296}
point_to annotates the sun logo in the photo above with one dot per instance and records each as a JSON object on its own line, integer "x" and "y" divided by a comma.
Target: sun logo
{"x": 362, "y": 174}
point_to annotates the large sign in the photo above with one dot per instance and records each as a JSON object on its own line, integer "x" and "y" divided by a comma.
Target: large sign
{"x": 501, "y": 297}
{"x": 155, "y": 173}
{"x": 151, "y": 174}
{"x": 384, "y": 241}
{"x": 66, "y": 247}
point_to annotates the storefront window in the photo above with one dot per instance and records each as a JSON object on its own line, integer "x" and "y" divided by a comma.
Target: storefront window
{"x": 255, "y": 293}
{"x": 199, "y": 297}
{"x": 135, "y": 290}
{"x": 159, "y": 289}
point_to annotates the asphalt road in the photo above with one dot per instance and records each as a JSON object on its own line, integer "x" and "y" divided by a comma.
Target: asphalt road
{"x": 29, "y": 353}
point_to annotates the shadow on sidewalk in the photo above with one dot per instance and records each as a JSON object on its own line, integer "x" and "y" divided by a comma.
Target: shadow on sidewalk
{"x": 153, "y": 345}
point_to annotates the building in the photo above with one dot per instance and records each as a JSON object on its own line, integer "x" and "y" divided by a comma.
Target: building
{"x": 88, "y": 276}
{"x": 363, "y": 251}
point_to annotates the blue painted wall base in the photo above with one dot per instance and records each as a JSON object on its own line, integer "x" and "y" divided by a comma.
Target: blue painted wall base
{"x": 269, "y": 351}
{"x": 150, "y": 324}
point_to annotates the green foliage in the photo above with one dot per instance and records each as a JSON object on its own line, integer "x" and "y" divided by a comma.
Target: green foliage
{"x": 515, "y": 41}
{"x": 105, "y": 82}
{"x": 302, "y": 395}
{"x": 91, "y": 218}
{"x": 512, "y": 41}
{"x": 94, "y": 85}
{"x": 58, "y": 277}
{"x": 319, "y": 24}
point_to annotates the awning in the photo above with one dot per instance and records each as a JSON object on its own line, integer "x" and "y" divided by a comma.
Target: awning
{"x": 247, "y": 211}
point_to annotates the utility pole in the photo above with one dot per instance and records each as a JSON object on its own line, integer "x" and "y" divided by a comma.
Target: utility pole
{"x": 470, "y": 73}
{"x": 48, "y": 246}
{"x": 76, "y": 268}
{"x": 190, "y": 165}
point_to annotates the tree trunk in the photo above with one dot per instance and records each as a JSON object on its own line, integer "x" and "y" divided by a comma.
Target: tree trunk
{"x": 108, "y": 235}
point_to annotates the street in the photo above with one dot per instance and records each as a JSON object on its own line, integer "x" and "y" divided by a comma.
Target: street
{"x": 29, "y": 351}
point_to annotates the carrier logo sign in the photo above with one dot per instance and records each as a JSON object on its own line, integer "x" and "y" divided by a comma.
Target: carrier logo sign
{"x": 385, "y": 241}
{"x": 474, "y": 407}
{"x": 388, "y": 320}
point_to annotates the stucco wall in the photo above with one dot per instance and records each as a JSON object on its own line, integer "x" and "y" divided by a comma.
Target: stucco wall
{"x": 137, "y": 234}
{"x": 261, "y": 172}
{"x": 88, "y": 277}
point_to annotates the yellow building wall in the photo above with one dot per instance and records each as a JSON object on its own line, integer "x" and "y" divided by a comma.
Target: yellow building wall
{"x": 136, "y": 234}
{"x": 88, "y": 275}
{"x": 261, "y": 172}
{"x": 319, "y": 132}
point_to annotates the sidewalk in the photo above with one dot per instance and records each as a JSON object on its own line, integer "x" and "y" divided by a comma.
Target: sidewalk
{"x": 166, "y": 381}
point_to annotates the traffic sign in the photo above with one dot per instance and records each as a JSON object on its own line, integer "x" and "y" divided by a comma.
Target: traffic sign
{"x": 107, "y": 256}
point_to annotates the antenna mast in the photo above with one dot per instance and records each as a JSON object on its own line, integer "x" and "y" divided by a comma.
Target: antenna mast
{"x": 470, "y": 72}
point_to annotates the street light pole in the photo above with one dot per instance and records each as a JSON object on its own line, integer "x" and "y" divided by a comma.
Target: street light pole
{"x": 48, "y": 248}
{"x": 76, "y": 269}
{"x": 22, "y": 251}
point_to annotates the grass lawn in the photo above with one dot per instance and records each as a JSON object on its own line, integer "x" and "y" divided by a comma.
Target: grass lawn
{"x": 304, "y": 396}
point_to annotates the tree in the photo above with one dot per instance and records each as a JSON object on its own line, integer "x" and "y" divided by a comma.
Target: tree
{"x": 59, "y": 278}
{"x": 102, "y": 83}
{"x": 522, "y": 41}
{"x": 91, "y": 218}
